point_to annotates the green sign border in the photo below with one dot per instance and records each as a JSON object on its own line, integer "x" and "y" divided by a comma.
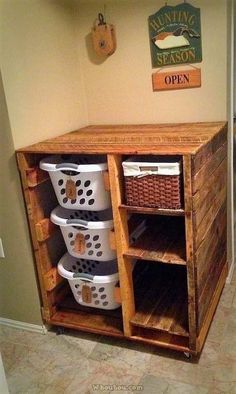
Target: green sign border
{"x": 168, "y": 19}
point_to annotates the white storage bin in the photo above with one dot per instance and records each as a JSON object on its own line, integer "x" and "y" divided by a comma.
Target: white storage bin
{"x": 92, "y": 282}
{"x": 87, "y": 234}
{"x": 78, "y": 181}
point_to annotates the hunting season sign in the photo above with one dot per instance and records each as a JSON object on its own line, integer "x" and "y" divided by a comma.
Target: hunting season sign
{"x": 175, "y": 35}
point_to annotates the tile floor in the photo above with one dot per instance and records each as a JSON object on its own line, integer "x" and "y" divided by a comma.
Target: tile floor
{"x": 85, "y": 363}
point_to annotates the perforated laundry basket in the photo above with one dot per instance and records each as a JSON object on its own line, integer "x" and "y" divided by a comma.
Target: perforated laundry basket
{"x": 79, "y": 181}
{"x": 87, "y": 234}
{"x": 92, "y": 282}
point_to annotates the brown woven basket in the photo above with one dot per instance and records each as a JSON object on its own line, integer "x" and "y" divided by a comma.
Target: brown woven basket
{"x": 156, "y": 191}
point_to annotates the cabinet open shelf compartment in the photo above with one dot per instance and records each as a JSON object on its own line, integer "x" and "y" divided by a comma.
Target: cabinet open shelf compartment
{"x": 71, "y": 314}
{"x": 163, "y": 240}
{"x": 161, "y": 298}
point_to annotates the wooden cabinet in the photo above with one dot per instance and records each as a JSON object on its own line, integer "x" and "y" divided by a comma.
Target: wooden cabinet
{"x": 170, "y": 297}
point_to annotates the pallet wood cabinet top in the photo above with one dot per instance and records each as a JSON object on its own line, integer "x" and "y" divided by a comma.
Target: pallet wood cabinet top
{"x": 181, "y": 139}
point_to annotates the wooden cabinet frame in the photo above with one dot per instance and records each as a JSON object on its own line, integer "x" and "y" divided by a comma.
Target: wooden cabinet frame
{"x": 202, "y": 148}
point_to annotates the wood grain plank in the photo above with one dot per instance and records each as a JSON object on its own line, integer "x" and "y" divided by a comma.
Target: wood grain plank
{"x": 211, "y": 309}
{"x": 190, "y": 249}
{"x": 208, "y": 149}
{"x": 88, "y": 322}
{"x": 52, "y": 279}
{"x": 215, "y": 183}
{"x": 206, "y": 171}
{"x": 35, "y": 176}
{"x": 153, "y": 211}
{"x": 212, "y": 247}
{"x": 161, "y": 339}
{"x": 44, "y": 229}
{"x": 35, "y": 214}
{"x": 129, "y": 139}
{"x": 122, "y": 241}
{"x": 204, "y": 225}
{"x": 209, "y": 289}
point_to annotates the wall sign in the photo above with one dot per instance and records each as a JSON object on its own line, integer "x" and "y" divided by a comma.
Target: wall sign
{"x": 175, "y": 35}
{"x": 183, "y": 79}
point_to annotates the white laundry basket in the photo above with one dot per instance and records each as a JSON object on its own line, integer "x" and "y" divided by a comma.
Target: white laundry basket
{"x": 78, "y": 181}
{"x": 92, "y": 282}
{"x": 87, "y": 234}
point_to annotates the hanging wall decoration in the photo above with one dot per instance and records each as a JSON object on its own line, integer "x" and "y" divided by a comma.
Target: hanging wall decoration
{"x": 175, "y": 35}
{"x": 181, "y": 79}
{"x": 103, "y": 36}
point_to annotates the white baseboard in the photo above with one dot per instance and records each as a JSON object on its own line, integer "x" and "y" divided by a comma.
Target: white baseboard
{"x": 230, "y": 274}
{"x": 23, "y": 326}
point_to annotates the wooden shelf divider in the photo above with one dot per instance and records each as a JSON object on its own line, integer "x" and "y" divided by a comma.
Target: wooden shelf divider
{"x": 153, "y": 211}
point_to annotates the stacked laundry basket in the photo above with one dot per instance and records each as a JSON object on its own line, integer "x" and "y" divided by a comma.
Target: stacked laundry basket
{"x": 85, "y": 219}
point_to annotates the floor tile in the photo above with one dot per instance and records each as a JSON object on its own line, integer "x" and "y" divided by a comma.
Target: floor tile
{"x": 12, "y": 354}
{"x": 225, "y": 375}
{"x": 155, "y": 385}
{"x": 182, "y": 370}
{"x": 234, "y": 301}
{"x": 227, "y": 296}
{"x": 219, "y": 324}
{"x": 102, "y": 377}
{"x": 81, "y": 363}
{"x": 122, "y": 354}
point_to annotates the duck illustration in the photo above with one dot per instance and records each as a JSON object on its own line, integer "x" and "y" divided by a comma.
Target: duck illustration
{"x": 175, "y": 39}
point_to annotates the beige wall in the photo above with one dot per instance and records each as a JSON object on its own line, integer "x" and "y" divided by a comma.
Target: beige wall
{"x": 18, "y": 290}
{"x": 119, "y": 90}
{"x": 44, "y": 97}
{"x": 40, "y": 68}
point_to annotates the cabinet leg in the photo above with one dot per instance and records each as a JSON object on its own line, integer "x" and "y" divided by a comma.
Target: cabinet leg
{"x": 60, "y": 330}
{"x": 188, "y": 355}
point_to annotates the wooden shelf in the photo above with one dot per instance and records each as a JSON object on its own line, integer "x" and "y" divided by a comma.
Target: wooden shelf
{"x": 153, "y": 211}
{"x": 161, "y": 299}
{"x": 161, "y": 338}
{"x": 71, "y": 314}
{"x": 163, "y": 241}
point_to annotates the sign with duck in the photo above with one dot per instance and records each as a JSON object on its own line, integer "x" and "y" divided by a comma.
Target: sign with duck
{"x": 175, "y": 35}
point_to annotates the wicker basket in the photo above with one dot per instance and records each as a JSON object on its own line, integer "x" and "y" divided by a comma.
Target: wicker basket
{"x": 153, "y": 184}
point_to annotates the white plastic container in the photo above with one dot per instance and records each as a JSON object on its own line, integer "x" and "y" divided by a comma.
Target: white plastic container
{"x": 78, "y": 181}
{"x": 87, "y": 234}
{"x": 92, "y": 282}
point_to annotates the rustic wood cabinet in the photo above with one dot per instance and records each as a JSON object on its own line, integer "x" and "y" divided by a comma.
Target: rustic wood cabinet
{"x": 170, "y": 297}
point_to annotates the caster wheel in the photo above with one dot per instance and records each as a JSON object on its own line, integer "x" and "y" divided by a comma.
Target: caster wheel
{"x": 60, "y": 330}
{"x": 188, "y": 355}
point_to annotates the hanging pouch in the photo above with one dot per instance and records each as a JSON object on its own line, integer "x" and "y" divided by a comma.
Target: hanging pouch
{"x": 103, "y": 36}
